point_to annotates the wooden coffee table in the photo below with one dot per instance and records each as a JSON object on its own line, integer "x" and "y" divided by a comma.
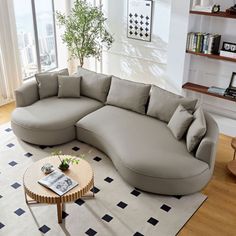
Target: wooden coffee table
{"x": 82, "y": 173}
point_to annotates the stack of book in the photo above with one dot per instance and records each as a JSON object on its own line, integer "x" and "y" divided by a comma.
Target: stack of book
{"x": 203, "y": 42}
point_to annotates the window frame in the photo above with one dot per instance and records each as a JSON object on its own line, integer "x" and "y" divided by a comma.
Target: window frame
{"x": 35, "y": 28}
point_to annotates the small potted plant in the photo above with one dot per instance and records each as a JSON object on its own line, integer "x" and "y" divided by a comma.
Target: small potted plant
{"x": 66, "y": 161}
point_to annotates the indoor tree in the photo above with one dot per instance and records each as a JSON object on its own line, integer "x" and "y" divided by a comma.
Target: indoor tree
{"x": 85, "y": 31}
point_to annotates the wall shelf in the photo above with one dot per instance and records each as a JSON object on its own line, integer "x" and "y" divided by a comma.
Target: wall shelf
{"x": 212, "y": 56}
{"x": 219, "y": 14}
{"x": 203, "y": 89}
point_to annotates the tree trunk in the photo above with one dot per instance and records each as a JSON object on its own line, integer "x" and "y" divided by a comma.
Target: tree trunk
{"x": 81, "y": 61}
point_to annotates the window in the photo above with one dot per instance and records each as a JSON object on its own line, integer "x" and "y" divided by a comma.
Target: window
{"x": 36, "y": 35}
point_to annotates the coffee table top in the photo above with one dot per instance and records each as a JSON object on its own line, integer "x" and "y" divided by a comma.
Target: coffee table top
{"x": 82, "y": 173}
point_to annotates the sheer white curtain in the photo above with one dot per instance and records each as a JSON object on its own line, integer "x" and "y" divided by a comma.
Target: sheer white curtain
{"x": 10, "y": 69}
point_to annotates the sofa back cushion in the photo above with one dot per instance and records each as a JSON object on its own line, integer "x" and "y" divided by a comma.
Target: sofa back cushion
{"x": 94, "y": 85}
{"x": 68, "y": 86}
{"x": 48, "y": 83}
{"x": 197, "y": 130}
{"x": 129, "y": 95}
{"x": 163, "y": 104}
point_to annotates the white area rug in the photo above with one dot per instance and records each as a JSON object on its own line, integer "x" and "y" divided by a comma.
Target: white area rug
{"x": 117, "y": 209}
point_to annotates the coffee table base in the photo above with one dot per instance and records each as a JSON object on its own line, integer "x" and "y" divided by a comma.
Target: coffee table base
{"x": 60, "y": 205}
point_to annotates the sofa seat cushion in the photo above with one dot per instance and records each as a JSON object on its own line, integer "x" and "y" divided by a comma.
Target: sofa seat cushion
{"x": 54, "y": 113}
{"x": 143, "y": 144}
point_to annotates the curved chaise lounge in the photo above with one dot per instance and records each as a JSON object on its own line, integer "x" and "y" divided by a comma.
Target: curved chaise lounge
{"x": 141, "y": 147}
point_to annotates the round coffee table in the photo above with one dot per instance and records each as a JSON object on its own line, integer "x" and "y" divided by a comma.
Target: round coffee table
{"x": 81, "y": 173}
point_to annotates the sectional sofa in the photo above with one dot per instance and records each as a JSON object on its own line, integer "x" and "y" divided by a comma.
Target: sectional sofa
{"x": 136, "y": 125}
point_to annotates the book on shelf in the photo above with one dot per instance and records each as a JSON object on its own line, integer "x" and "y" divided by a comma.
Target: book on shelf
{"x": 216, "y": 90}
{"x": 224, "y": 53}
{"x": 202, "y": 8}
{"x": 203, "y": 42}
{"x": 58, "y": 182}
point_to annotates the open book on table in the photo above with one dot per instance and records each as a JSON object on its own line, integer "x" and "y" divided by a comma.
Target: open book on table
{"x": 58, "y": 182}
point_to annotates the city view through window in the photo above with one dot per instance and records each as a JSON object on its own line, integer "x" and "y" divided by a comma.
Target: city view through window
{"x": 36, "y": 36}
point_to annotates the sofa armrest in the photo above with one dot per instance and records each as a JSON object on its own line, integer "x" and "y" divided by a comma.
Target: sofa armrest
{"x": 27, "y": 94}
{"x": 207, "y": 148}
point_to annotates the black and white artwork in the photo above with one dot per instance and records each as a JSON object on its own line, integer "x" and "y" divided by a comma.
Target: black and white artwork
{"x": 139, "y": 19}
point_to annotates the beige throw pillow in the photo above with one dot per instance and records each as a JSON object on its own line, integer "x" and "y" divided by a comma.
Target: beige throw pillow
{"x": 197, "y": 130}
{"x": 179, "y": 122}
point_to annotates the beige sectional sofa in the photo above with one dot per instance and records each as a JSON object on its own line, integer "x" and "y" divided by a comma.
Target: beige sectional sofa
{"x": 117, "y": 117}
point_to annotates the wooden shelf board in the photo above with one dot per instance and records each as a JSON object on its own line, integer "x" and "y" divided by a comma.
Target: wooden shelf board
{"x": 219, "y": 14}
{"x": 203, "y": 89}
{"x": 212, "y": 56}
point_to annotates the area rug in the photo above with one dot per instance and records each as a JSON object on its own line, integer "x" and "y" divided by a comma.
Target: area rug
{"x": 117, "y": 209}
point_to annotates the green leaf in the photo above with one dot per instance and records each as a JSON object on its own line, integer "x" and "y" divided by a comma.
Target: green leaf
{"x": 85, "y": 31}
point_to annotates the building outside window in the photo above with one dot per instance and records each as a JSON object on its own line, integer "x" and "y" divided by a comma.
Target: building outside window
{"x": 36, "y": 34}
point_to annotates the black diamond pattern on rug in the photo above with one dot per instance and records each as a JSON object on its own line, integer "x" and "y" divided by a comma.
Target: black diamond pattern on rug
{"x": 15, "y": 185}
{"x": 12, "y": 163}
{"x": 166, "y": 208}
{"x": 75, "y": 149}
{"x": 135, "y": 193}
{"x": 28, "y": 154}
{"x": 19, "y": 211}
{"x": 138, "y": 234}
{"x": 107, "y": 218}
{"x": 8, "y": 130}
{"x": 0, "y": 196}
{"x": 95, "y": 190}
{"x": 80, "y": 202}
{"x": 152, "y": 221}
{"x": 44, "y": 229}
{"x": 97, "y": 159}
{"x": 122, "y": 205}
{"x": 91, "y": 232}
{"x": 108, "y": 179}
{"x": 1, "y": 225}
{"x": 10, "y": 145}
{"x": 64, "y": 214}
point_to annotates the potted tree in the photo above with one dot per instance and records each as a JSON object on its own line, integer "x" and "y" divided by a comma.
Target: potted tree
{"x": 85, "y": 31}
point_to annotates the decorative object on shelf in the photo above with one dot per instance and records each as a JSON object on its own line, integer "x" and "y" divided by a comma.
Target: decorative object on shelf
{"x": 139, "y": 20}
{"x": 231, "y": 90}
{"x": 232, "y": 10}
{"x": 216, "y": 8}
{"x": 216, "y": 90}
{"x": 85, "y": 31}
{"x": 204, "y": 6}
{"x": 228, "y": 50}
{"x": 47, "y": 168}
{"x": 203, "y": 42}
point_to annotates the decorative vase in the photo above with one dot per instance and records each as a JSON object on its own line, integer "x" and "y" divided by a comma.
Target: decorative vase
{"x": 64, "y": 166}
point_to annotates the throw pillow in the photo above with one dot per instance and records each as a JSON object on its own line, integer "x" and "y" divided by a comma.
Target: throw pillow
{"x": 69, "y": 86}
{"x": 163, "y": 104}
{"x": 94, "y": 85}
{"x": 48, "y": 83}
{"x": 197, "y": 130}
{"x": 179, "y": 122}
{"x": 129, "y": 95}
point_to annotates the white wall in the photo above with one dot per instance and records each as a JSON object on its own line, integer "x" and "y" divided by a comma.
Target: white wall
{"x": 183, "y": 67}
{"x": 133, "y": 59}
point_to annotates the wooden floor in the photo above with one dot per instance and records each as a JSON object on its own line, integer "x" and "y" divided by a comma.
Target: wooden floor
{"x": 217, "y": 216}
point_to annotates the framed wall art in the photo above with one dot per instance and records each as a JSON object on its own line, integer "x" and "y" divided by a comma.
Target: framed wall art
{"x": 139, "y": 23}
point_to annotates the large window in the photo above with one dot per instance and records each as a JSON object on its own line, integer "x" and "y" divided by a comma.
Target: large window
{"x": 36, "y": 35}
